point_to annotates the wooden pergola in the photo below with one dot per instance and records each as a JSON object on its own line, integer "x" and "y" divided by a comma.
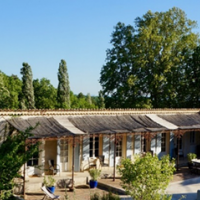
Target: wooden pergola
{"x": 69, "y": 125}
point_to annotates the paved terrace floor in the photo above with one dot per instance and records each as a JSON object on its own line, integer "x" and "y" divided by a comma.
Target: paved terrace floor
{"x": 183, "y": 183}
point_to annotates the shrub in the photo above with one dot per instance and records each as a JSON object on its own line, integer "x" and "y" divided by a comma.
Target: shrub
{"x": 148, "y": 177}
{"x": 108, "y": 196}
{"x": 95, "y": 174}
{"x": 191, "y": 156}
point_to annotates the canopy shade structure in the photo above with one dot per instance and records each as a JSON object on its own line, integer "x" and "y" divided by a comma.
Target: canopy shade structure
{"x": 46, "y": 126}
{"x": 116, "y": 124}
{"x": 57, "y": 126}
{"x": 149, "y": 124}
{"x": 183, "y": 122}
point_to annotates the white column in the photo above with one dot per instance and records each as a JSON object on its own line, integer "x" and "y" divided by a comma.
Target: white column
{"x": 85, "y": 158}
{"x": 158, "y": 149}
{"x": 137, "y": 144}
{"x": 41, "y": 160}
{"x": 106, "y": 149}
{"x": 171, "y": 145}
{"x": 111, "y": 156}
{"x": 153, "y": 144}
{"x": 58, "y": 155}
{"x": 129, "y": 146}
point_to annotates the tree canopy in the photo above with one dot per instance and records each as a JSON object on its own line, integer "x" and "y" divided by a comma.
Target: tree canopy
{"x": 15, "y": 151}
{"x": 45, "y": 94}
{"x": 146, "y": 66}
{"x": 147, "y": 177}
{"x": 63, "y": 92}
{"x": 27, "y": 95}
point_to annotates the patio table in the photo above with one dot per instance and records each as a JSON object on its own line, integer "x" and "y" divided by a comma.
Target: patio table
{"x": 196, "y": 165}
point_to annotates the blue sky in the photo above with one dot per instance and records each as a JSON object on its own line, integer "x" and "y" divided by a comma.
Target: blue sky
{"x": 42, "y": 32}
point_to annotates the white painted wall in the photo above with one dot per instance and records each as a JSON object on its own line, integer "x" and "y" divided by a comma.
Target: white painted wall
{"x": 153, "y": 145}
{"x": 106, "y": 149}
{"x": 137, "y": 144}
{"x": 84, "y": 163}
{"x": 58, "y": 155}
{"x": 158, "y": 147}
{"x": 77, "y": 158}
{"x": 129, "y": 146}
{"x": 111, "y": 156}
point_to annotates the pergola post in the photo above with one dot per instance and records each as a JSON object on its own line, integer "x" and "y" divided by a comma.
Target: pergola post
{"x": 114, "y": 156}
{"x": 24, "y": 180}
{"x": 73, "y": 145}
{"x": 24, "y": 173}
{"x": 178, "y": 146}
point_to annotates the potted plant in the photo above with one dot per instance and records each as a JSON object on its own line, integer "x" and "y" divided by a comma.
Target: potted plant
{"x": 94, "y": 174}
{"x": 49, "y": 182}
{"x": 190, "y": 157}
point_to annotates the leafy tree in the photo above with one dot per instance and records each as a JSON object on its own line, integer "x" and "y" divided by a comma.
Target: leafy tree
{"x": 168, "y": 40}
{"x": 147, "y": 177}
{"x": 89, "y": 99}
{"x": 100, "y": 102}
{"x": 63, "y": 92}
{"x": 190, "y": 89}
{"x": 45, "y": 94}
{"x": 15, "y": 151}
{"x": 10, "y": 88}
{"x": 89, "y": 102}
{"x": 81, "y": 95}
{"x": 5, "y": 94}
{"x": 73, "y": 100}
{"x": 14, "y": 86}
{"x": 115, "y": 75}
{"x": 82, "y": 101}
{"x": 27, "y": 95}
{"x": 146, "y": 65}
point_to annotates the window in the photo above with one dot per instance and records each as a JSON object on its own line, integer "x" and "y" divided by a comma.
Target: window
{"x": 63, "y": 151}
{"x": 34, "y": 160}
{"x": 119, "y": 149}
{"x": 94, "y": 146}
{"x": 192, "y": 137}
{"x": 163, "y": 142}
{"x": 144, "y": 145}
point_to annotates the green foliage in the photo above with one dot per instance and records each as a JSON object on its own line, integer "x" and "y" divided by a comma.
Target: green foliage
{"x": 100, "y": 102}
{"x": 13, "y": 155}
{"x": 45, "y": 94}
{"x": 190, "y": 89}
{"x": 49, "y": 181}
{"x": 10, "y": 88}
{"x": 27, "y": 95}
{"x": 95, "y": 174}
{"x": 5, "y": 94}
{"x": 82, "y": 101}
{"x": 14, "y": 86}
{"x": 191, "y": 156}
{"x": 63, "y": 92}
{"x": 146, "y": 66}
{"x": 109, "y": 196}
{"x": 146, "y": 178}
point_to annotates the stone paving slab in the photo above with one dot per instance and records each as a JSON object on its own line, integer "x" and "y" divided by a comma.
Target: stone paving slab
{"x": 81, "y": 193}
{"x": 183, "y": 183}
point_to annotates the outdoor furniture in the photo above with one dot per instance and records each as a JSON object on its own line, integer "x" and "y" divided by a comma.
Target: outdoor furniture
{"x": 94, "y": 163}
{"x": 101, "y": 159}
{"x": 54, "y": 168}
{"x": 48, "y": 194}
{"x": 196, "y": 166}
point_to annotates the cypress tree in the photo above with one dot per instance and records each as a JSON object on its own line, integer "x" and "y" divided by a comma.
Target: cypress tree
{"x": 63, "y": 92}
{"x": 101, "y": 103}
{"x": 27, "y": 96}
